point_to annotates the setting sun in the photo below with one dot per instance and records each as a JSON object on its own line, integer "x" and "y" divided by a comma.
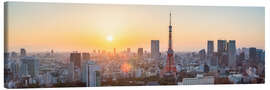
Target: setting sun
{"x": 109, "y": 38}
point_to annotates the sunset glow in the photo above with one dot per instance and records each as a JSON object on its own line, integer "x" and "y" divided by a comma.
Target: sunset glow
{"x": 83, "y": 27}
{"x": 125, "y": 67}
{"x": 110, "y": 38}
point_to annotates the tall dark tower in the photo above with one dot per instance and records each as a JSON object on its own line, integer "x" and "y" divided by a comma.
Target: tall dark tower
{"x": 170, "y": 68}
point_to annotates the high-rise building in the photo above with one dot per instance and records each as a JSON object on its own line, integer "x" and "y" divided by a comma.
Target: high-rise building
{"x": 71, "y": 72}
{"x": 252, "y": 54}
{"x": 52, "y": 53}
{"x": 232, "y": 53}
{"x": 6, "y": 59}
{"x": 85, "y": 56}
{"x": 260, "y": 55}
{"x": 214, "y": 59}
{"x": 202, "y": 55}
{"x": 223, "y": 59}
{"x": 23, "y": 52}
{"x": 222, "y": 53}
{"x": 114, "y": 51}
{"x": 92, "y": 74}
{"x": 140, "y": 52}
{"x": 241, "y": 58}
{"x": 128, "y": 50}
{"x": 75, "y": 57}
{"x": 29, "y": 66}
{"x": 221, "y": 46}
{"x": 210, "y": 48}
{"x": 155, "y": 49}
{"x": 14, "y": 54}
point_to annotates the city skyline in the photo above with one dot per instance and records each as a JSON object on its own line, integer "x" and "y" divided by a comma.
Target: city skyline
{"x": 103, "y": 44}
{"x": 87, "y": 27}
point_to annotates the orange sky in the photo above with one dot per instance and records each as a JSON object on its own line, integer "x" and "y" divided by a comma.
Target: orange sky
{"x": 84, "y": 27}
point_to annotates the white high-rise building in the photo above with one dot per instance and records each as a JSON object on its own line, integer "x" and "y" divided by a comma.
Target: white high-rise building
{"x": 92, "y": 74}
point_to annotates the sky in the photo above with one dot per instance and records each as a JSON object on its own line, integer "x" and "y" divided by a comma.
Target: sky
{"x": 85, "y": 27}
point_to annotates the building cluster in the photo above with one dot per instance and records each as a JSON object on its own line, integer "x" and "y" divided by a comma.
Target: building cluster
{"x": 117, "y": 68}
{"x": 50, "y": 69}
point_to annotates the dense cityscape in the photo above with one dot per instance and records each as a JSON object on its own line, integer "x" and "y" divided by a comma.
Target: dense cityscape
{"x": 228, "y": 65}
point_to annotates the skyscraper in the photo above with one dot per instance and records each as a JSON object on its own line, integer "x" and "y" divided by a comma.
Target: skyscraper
{"x": 232, "y": 53}
{"x": 92, "y": 74}
{"x": 75, "y": 57}
{"x": 6, "y": 59}
{"x": 85, "y": 56}
{"x": 252, "y": 54}
{"x": 210, "y": 48}
{"x": 140, "y": 52}
{"x": 23, "y": 52}
{"x": 221, "y": 46}
{"x": 52, "y": 53}
{"x": 71, "y": 72}
{"x": 29, "y": 66}
{"x": 222, "y": 53}
{"x": 114, "y": 51}
{"x": 170, "y": 68}
{"x": 128, "y": 50}
{"x": 155, "y": 49}
{"x": 202, "y": 54}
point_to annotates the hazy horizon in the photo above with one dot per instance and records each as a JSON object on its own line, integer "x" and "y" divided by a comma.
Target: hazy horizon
{"x": 84, "y": 27}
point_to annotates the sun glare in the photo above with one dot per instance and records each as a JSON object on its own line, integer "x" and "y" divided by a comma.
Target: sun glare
{"x": 109, "y": 38}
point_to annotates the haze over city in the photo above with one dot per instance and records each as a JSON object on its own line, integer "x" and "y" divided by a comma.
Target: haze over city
{"x": 80, "y": 45}
{"x": 45, "y": 26}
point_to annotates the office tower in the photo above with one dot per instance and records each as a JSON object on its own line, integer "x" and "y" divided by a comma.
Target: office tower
{"x": 155, "y": 49}
{"x": 210, "y": 48}
{"x": 114, "y": 51}
{"x": 103, "y": 52}
{"x": 75, "y": 57}
{"x": 252, "y": 54}
{"x": 52, "y": 52}
{"x": 232, "y": 53}
{"x": 14, "y": 55}
{"x": 214, "y": 59}
{"x": 221, "y": 46}
{"x": 170, "y": 68}
{"x": 84, "y": 72}
{"x": 14, "y": 68}
{"x": 240, "y": 59}
{"x": 128, "y": 50}
{"x": 92, "y": 74}
{"x": 23, "y": 52}
{"x": 202, "y": 54}
{"x": 85, "y": 59}
{"x": 260, "y": 55}
{"x": 140, "y": 52}
{"x": 29, "y": 66}
{"x": 71, "y": 72}
{"x": 85, "y": 56}
{"x": 246, "y": 52}
{"x": 99, "y": 52}
{"x": 222, "y": 53}
{"x": 223, "y": 60}
{"x": 6, "y": 59}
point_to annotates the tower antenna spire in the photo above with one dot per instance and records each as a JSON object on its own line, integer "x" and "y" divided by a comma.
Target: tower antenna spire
{"x": 170, "y": 18}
